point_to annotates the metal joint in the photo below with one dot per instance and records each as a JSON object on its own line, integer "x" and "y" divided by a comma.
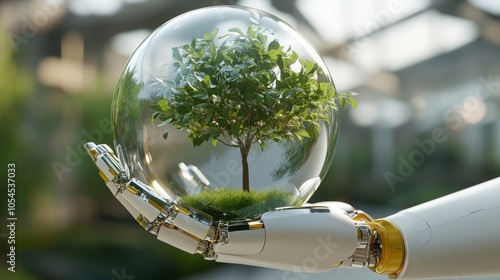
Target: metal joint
{"x": 223, "y": 234}
{"x": 203, "y": 246}
{"x": 361, "y": 256}
{"x": 388, "y": 250}
{"x": 375, "y": 250}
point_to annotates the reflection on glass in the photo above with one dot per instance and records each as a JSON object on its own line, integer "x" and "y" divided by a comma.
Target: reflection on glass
{"x": 239, "y": 99}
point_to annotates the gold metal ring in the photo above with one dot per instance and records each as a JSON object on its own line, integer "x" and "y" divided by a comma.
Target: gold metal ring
{"x": 393, "y": 249}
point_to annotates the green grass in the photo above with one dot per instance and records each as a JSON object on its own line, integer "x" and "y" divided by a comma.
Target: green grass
{"x": 228, "y": 204}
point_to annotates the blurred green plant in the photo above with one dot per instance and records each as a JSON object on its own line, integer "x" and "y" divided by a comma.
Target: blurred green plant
{"x": 125, "y": 99}
{"x": 16, "y": 86}
{"x": 15, "y": 82}
{"x": 244, "y": 90}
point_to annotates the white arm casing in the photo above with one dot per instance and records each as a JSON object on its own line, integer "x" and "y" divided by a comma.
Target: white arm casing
{"x": 455, "y": 235}
{"x": 312, "y": 239}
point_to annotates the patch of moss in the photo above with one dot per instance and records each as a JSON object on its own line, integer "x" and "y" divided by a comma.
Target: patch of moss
{"x": 228, "y": 204}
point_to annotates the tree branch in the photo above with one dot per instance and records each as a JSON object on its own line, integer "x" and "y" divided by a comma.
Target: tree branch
{"x": 227, "y": 144}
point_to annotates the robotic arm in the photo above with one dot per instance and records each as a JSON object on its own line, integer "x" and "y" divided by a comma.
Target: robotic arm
{"x": 430, "y": 240}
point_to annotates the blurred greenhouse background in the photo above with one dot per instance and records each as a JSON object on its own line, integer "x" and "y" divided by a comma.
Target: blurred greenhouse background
{"x": 427, "y": 74}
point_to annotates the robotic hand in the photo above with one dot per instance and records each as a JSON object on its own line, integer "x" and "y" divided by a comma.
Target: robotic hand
{"x": 312, "y": 238}
{"x": 456, "y": 235}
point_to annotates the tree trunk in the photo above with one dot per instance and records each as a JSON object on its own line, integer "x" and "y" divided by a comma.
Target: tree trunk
{"x": 246, "y": 175}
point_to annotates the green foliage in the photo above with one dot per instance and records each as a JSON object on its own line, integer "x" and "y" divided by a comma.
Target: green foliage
{"x": 126, "y": 100}
{"x": 347, "y": 98}
{"x": 240, "y": 89}
{"x": 16, "y": 83}
{"x": 227, "y": 204}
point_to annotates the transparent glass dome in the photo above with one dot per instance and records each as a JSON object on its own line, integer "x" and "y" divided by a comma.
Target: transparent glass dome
{"x": 227, "y": 109}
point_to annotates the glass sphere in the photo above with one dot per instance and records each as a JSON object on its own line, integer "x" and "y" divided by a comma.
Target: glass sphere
{"x": 228, "y": 110}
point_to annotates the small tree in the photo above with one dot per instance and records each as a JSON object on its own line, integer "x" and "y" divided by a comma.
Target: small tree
{"x": 239, "y": 89}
